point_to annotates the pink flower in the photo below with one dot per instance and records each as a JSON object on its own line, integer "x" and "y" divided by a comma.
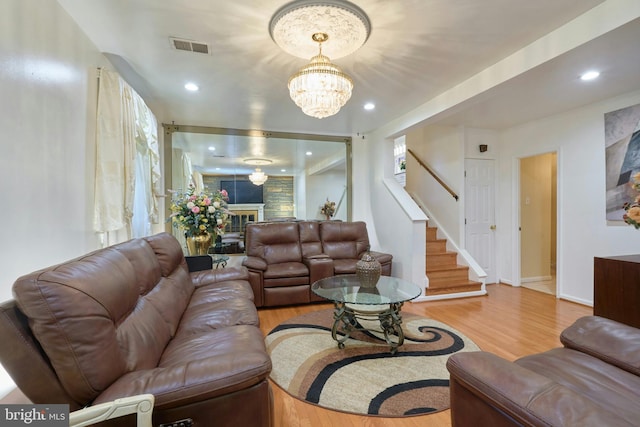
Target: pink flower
{"x": 224, "y": 193}
{"x": 195, "y": 209}
{"x": 192, "y": 198}
{"x": 206, "y": 201}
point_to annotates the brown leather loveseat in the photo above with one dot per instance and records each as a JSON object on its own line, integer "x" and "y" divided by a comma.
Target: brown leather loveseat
{"x": 131, "y": 319}
{"x": 593, "y": 381}
{"x": 285, "y": 258}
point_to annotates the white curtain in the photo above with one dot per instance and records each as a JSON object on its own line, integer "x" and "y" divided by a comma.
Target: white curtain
{"x": 182, "y": 169}
{"x": 126, "y": 146}
{"x": 198, "y": 181}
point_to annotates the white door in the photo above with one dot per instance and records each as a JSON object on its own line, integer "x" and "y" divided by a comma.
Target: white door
{"x": 480, "y": 214}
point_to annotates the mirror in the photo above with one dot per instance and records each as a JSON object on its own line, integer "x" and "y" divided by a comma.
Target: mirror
{"x": 303, "y": 172}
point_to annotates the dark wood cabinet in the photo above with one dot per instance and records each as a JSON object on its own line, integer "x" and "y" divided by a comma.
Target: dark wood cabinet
{"x": 616, "y": 288}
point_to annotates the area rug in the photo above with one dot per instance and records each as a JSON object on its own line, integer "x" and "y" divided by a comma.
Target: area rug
{"x": 364, "y": 377}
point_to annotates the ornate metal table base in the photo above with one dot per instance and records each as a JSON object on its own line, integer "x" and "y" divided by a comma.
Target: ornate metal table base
{"x": 346, "y": 320}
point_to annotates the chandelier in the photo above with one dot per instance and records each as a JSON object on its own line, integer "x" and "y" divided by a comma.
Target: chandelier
{"x": 258, "y": 177}
{"x": 320, "y": 88}
{"x": 302, "y": 28}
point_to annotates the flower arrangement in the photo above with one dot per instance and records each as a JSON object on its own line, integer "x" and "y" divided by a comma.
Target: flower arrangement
{"x": 632, "y": 215}
{"x": 198, "y": 214}
{"x": 328, "y": 209}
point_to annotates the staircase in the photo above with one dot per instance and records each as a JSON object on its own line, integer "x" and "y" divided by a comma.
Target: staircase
{"x": 444, "y": 273}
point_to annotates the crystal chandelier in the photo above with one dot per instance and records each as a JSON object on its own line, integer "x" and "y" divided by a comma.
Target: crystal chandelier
{"x": 320, "y": 88}
{"x": 302, "y": 28}
{"x": 258, "y": 177}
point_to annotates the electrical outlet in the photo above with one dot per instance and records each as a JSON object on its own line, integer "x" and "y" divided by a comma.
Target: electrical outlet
{"x": 187, "y": 422}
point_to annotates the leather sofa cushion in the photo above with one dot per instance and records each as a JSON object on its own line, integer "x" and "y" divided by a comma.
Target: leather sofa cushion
{"x": 197, "y": 367}
{"x": 168, "y": 251}
{"x": 105, "y": 307}
{"x": 606, "y": 339}
{"x": 286, "y": 269}
{"x": 344, "y": 239}
{"x": 274, "y": 242}
{"x": 310, "y": 238}
{"x": 286, "y": 282}
{"x": 216, "y": 292}
{"x": 204, "y": 317}
{"x": 606, "y": 386}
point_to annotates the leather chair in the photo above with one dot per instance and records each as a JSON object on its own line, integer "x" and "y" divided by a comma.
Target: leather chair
{"x": 274, "y": 260}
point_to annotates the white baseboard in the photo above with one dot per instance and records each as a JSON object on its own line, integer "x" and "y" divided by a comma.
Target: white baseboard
{"x": 536, "y": 279}
{"x": 576, "y": 300}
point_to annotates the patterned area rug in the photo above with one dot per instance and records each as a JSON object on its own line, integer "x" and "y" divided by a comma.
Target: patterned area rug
{"x": 364, "y": 377}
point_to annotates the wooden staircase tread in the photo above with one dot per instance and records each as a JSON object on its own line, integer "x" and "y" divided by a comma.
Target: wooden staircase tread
{"x": 456, "y": 267}
{"x": 453, "y": 285}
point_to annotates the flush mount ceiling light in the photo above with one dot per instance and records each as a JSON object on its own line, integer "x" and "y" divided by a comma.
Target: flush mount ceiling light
{"x": 258, "y": 177}
{"x": 293, "y": 25}
{"x": 304, "y": 27}
{"x": 258, "y": 162}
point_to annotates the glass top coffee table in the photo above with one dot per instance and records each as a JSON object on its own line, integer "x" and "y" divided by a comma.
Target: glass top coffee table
{"x": 354, "y": 303}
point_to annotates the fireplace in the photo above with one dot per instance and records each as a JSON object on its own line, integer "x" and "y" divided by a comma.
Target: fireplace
{"x": 244, "y": 213}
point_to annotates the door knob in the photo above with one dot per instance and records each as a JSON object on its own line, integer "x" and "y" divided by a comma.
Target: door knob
{"x": 493, "y": 227}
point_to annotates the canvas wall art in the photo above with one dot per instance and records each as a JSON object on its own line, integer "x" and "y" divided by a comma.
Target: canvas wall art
{"x": 622, "y": 153}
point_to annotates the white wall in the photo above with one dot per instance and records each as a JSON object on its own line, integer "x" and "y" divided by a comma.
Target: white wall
{"x": 395, "y": 223}
{"x": 583, "y": 233}
{"x": 48, "y": 85}
{"x": 442, "y": 149}
{"x": 320, "y": 187}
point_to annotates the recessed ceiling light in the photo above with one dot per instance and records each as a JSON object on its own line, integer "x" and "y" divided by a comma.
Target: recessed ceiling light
{"x": 191, "y": 87}
{"x": 283, "y": 170}
{"x": 369, "y": 106}
{"x": 308, "y": 153}
{"x": 212, "y": 148}
{"x": 590, "y": 75}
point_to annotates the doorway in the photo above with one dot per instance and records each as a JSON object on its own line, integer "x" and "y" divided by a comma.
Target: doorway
{"x": 538, "y": 222}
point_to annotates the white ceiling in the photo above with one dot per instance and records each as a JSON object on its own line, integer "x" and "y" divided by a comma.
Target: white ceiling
{"x": 417, "y": 50}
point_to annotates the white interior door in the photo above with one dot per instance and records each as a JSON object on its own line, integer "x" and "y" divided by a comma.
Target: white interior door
{"x": 480, "y": 214}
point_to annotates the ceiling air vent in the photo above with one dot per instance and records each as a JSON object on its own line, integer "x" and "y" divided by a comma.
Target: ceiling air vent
{"x": 189, "y": 45}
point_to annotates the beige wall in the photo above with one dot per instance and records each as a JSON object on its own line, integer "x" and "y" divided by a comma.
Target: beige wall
{"x": 536, "y": 212}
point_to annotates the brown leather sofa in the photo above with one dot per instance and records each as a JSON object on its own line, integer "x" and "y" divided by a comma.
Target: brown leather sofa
{"x": 131, "y": 319}
{"x": 593, "y": 381}
{"x": 285, "y": 258}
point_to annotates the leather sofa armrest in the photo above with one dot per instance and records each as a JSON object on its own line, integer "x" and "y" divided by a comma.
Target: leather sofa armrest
{"x": 487, "y": 390}
{"x": 312, "y": 257}
{"x": 320, "y": 266}
{"x": 610, "y": 341}
{"x": 381, "y": 257}
{"x": 208, "y": 277}
{"x": 254, "y": 263}
{"x": 384, "y": 260}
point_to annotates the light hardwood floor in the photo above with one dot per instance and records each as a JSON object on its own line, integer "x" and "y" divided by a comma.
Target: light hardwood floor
{"x": 510, "y": 322}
